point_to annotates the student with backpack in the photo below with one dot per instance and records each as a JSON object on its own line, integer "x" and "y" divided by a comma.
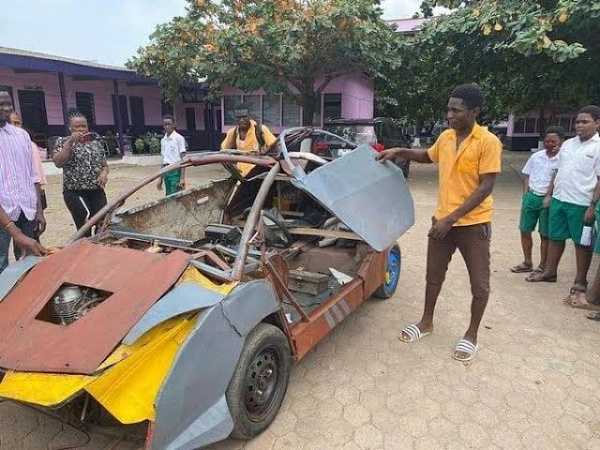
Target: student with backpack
{"x": 248, "y": 136}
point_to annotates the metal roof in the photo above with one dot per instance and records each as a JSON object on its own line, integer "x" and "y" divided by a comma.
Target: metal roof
{"x": 24, "y": 60}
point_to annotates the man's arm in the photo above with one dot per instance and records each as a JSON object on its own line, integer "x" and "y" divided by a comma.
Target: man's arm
{"x": 525, "y": 183}
{"x": 486, "y": 185}
{"x": 548, "y": 197}
{"x": 410, "y": 154}
{"x": 39, "y": 215}
{"x": 25, "y": 243}
{"x": 590, "y": 213}
{"x": 182, "y": 154}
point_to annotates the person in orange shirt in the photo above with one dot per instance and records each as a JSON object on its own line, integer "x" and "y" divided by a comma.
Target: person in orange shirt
{"x": 248, "y": 136}
{"x": 469, "y": 158}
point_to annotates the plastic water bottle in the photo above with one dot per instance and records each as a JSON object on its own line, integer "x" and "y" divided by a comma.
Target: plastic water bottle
{"x": 586, "y": 236}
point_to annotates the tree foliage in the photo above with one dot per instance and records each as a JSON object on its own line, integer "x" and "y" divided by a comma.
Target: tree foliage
{"x": 527, "y": 55}
{"x": 289, "y": 46}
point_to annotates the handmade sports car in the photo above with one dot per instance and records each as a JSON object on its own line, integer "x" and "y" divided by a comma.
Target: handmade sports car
{"x": 186, "y": 314}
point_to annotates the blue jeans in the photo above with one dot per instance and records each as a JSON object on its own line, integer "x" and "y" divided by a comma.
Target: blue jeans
{"x": 28, "y": 227}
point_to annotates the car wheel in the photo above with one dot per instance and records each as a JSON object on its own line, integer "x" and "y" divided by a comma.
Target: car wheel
{"x": 392, "y": 274}
{"x": 260, "y": 381}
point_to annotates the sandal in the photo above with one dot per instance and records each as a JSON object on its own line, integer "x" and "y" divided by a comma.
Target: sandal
{"x": 539, "y": 277}
{"x": 467, "y": 348}
{"x": 412, "y": 333}
{"x": 573, "y": 299}
{"x": 594, "y": 316}
{"x": 522, "y": 268}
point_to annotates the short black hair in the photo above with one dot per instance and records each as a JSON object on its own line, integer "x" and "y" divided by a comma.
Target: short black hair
{"x": 169, "y": 117}
{"x": 592, "y": 110}
{"x": 470, "y": 94}
{"x": 560, "y": 131}
{"x": 74, "y": 113}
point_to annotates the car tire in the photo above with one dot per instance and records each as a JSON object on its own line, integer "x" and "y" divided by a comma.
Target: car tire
{"x": 260, "y": 381}
{"x": 393, "y": 268}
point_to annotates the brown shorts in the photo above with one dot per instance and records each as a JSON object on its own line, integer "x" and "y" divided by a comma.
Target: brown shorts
{"x": 473, "y": 242}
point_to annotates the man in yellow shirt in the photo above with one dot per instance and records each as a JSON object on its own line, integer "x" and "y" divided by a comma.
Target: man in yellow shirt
{"x": 249, "y": 137}
{"x": 469, "y": 158}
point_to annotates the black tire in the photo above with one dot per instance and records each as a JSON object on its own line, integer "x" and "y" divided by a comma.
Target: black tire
{"x": 266, "y": 349}
{"x": 388, "y": 288}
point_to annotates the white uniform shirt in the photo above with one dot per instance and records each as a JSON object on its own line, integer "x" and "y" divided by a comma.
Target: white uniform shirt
{"x": 578, "y": 171}
{"x": 540, "y": 168}
{"x": 171, "y": 147}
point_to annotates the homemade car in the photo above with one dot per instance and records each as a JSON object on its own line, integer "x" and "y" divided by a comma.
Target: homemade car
{"x": 186, "y": 314}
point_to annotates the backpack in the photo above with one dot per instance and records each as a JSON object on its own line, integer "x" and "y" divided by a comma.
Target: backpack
{"x": 258, "y": 131}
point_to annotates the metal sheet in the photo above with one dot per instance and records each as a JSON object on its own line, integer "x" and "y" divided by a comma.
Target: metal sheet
{"x": 189, "y": 407}
{"x": 198, "y": 381}
{"x": 136, "y": 279}
{"x": 371, "y": 198}
{"x": 13, "y": 273}
{"x": 248, "y": 304}
{"x": 184, "y": 298}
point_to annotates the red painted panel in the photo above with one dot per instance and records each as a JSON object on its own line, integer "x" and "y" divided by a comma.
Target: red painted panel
{"x": 323, "y": 319}
{"x": 136, "y": 279}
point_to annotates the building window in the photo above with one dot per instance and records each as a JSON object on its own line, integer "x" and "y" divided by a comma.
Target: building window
{"x": 565, "y": 122}
{"x": 84, "y": 102}
{"x": 531, "y": 125}
{"x": 332, "y": 106}
{"x": 230, "y": 102}
{"x": 271, "y": 110}
{"x": 190, "y": 119}
{"x": 519, "y": 127}
{"x": 9, "y": 89}
{"x": 138, "y": 120}
{"x": 122, "y": 107}
{"x": 291, "y": 114}
{"x": 252, "y": 102}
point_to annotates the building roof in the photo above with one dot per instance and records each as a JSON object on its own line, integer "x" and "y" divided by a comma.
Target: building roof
{"x": 27, "y": 61}
{"x": 407, "y": 25}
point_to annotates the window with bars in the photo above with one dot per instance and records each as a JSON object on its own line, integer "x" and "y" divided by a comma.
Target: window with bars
{"x": 84, "y": 102}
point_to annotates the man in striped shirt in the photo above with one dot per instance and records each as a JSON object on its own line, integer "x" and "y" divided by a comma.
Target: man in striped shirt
{"x": 21, "y": 214}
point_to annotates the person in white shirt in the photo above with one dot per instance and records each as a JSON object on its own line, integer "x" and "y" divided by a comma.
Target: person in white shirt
{"x": 172, "y": 150}
{"x": 575, "y": 191}
{"x": 538, "y": 173}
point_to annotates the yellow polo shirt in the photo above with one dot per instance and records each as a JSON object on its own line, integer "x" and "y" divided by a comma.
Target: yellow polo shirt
{"x": 250, "y": 144}
{"x": 459, "y": 170}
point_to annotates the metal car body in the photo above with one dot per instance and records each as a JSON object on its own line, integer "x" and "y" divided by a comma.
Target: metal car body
{"x": 151, "y": 317}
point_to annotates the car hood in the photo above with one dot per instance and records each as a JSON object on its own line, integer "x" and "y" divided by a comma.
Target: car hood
{"x": 135, "y": 281}
{"x": 370, "y": 197}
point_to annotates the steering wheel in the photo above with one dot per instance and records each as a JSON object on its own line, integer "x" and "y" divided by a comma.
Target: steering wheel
{"x": 276, "y": 231}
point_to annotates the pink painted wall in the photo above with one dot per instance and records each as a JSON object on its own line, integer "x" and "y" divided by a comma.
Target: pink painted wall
{"x": 46, "y": 82}
{"x": 180, "y": 108}
{"x": 102, "y": 90}
{"x": 358, "y": 95}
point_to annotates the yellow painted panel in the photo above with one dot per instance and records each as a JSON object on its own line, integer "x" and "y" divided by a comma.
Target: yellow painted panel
{"x": 193, "y": 275}
{"x": 127, "y": 390}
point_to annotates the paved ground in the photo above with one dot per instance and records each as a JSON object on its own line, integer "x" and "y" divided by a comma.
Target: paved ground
{"x": 533, "y": 385}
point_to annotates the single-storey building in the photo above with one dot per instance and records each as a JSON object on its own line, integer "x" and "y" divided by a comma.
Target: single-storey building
{"x": 115, "y": 100}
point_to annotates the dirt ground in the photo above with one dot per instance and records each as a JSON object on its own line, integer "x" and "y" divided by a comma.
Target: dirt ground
{"x": 534, "y": 383}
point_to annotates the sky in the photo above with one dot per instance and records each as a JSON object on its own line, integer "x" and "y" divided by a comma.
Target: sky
{"x": 105, "y": 31}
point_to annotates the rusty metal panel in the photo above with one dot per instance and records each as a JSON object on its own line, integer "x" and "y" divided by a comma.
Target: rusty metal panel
{"x": 372, "y": 271}
{"x": 136, "y": 280}
{"x": 325, "y": 318}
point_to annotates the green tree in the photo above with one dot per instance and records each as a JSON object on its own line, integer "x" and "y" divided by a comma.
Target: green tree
{"x": 295, "y": 47}
{"x": 537, "y": 55}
